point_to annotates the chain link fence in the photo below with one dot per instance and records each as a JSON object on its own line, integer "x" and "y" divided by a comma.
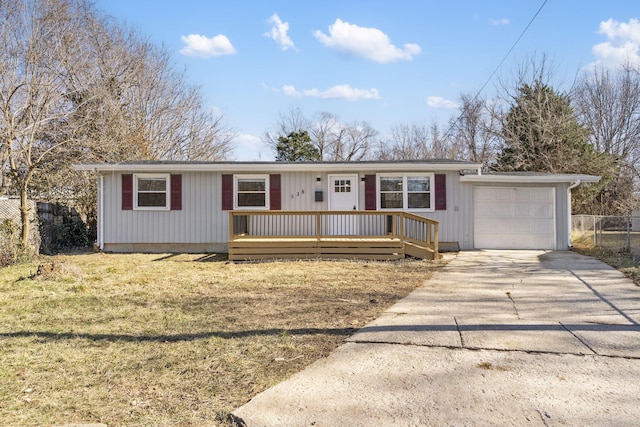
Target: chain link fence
{"x": 617, "y": 233}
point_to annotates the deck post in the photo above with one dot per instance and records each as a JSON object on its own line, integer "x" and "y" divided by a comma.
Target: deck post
{"x": 231, "y": 232}
{"x": 435, "y": 238}
{"x": 318, "y": 225}
{"x": 428, "y": 236}
{"x": 393, "y": 225}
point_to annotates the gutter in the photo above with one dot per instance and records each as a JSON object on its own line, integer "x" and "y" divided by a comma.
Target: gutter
{"x": 574, "y": 185}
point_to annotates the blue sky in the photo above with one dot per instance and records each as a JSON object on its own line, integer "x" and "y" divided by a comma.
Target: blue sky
{"x": 383, "y": 62}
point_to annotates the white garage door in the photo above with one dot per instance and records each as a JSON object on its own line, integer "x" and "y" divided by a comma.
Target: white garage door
{"x": 514, "y": 218}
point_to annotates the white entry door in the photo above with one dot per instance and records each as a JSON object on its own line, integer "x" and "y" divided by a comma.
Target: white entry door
{"x": 514, "y": 218}
{"x": 343, "y": 196}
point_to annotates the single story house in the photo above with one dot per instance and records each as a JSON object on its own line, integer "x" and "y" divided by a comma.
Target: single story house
{"x": 168, "y": 206}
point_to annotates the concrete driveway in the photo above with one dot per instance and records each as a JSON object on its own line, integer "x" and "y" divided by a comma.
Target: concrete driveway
{"x": 495, "y": 338}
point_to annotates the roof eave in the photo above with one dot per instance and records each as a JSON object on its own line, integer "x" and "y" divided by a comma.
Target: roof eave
{"x": 274, "y": 167}
{"x": 536, "y": 179}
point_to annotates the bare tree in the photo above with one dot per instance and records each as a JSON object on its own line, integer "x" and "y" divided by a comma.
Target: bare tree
{"x": 334, "y": 140}
{"x": 475, "y": 130}
{"x": 76, "y": 86}
{"x": 35, "y": 106}
{"x": 608, "y": 104}
{"x": 289, "y": 122}
{"x": 354, "y": 142}
{"x": 325, "y": 132}
{"x": 408, "y": 142}
{"x": 418, "y": 142}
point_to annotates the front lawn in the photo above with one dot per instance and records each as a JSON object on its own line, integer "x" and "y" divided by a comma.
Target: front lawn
{"x": 174, "y": 340}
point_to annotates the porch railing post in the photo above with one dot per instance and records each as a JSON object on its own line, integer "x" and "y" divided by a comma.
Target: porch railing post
{"x": 318, "y": 225}
{"x": 394, "y": 226}
{"x": 231, "y": 233}
{"x": 428, "y": 236}
{"x": 435, "y": 237}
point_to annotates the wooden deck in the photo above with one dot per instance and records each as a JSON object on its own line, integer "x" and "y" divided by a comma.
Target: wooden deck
{"x": 259, "y": 235}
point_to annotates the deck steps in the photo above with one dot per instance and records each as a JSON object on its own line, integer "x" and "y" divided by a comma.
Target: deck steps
{"x": 251, "y": 249}
{"x": 387, "y": 249}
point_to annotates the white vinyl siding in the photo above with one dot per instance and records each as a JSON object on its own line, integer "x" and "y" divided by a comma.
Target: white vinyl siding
{"x": 203, "y": 222}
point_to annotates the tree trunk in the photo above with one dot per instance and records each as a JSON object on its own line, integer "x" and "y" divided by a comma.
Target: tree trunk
{"x": 24, "y": 216}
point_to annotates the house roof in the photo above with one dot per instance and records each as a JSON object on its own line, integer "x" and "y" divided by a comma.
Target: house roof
{"x": 528, "y": 177}
{"x": 378, "y": 166}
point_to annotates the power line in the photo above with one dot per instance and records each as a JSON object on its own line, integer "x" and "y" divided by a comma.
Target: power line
{"x": 513, "y": 46}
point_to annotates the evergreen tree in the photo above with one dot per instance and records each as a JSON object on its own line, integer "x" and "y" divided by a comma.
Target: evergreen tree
{"x": 297, "y": 147}
{"x": 541, "y": 133}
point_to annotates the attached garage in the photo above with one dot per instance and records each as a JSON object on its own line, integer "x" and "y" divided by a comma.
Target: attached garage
{"x": 514, "y": 218}
{"x": 520, "y": 210}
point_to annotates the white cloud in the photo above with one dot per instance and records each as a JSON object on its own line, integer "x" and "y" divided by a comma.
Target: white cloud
{"x": 622, "y": 45}
{"x": 279, "y": 32}
{"x": 205, "y": 47}
{"x": 345, "y": 92}
{"x": 440, "y": 102}
{"x": 502, "y": 21}
{"x": 251, "y": 148}
{"x": 369, "y": 43}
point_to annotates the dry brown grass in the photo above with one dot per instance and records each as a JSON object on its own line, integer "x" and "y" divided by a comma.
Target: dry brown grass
{"x": 167, "y": 340}
{"x": 625, "y": 262}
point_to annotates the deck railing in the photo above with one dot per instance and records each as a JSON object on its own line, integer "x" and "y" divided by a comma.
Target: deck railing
{"x": 412, "y": 230}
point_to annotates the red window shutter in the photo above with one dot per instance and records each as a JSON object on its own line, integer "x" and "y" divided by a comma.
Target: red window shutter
{"x": 275, "y": 193}
{"x": 176, "y": 192}
{"x": 370, "y": 192}
{"x": 127, "y": 192}
{"x": 441, "y": 192}
{"x": 227, "y": 192}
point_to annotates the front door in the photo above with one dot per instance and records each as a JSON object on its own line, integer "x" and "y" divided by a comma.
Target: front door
{"x": 343, "y": 196}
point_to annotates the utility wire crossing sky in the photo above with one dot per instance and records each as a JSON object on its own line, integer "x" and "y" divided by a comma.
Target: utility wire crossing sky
{"x": 385, "y": 63}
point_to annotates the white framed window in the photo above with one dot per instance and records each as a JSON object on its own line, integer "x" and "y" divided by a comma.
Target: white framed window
{"x": 151, "y": 192}
{"x": 400, "y": 191}
{"x": 251, "y": 191}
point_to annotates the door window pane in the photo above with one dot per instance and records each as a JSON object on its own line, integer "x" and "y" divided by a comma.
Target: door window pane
{"x": 342, "y": 186}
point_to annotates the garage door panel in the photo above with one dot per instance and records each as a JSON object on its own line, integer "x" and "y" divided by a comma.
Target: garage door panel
{"x": 542, "y": 211}
{"x": 493, "y": 209}
{"x": 522, "y": 210}
{"x": 503, "y": 196}
{"x": 523, "y": 194}
{"x": 521, "y": 227}
{"x": 485, "y": 195}
{"x": 514, "y": 218}
{"x": 530, "y": 210}
{"x": 542, "y": 227}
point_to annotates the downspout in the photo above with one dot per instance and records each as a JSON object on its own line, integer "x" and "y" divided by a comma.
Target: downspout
{"x": 100, "y": 212}
{"x": 571, "y": 187}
